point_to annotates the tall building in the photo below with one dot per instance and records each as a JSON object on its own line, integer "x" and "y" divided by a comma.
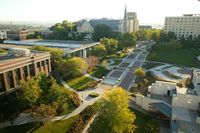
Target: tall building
{"x": 186, "y": 25}
{"x": 21, "y": 64}
{"x": 130, "y": 22}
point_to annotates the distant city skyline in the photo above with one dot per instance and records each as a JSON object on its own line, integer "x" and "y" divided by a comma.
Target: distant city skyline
{"x": 148, "y": 12}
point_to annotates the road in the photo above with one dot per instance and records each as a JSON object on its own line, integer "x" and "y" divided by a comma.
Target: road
{"x": 136, "y": 60}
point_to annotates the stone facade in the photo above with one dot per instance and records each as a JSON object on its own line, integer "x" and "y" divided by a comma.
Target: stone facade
{"x": 130, "y": 22}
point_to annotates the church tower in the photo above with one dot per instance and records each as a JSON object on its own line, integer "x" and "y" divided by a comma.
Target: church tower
{"x": 125, "y": 21}
{"x": 129, "y": 23}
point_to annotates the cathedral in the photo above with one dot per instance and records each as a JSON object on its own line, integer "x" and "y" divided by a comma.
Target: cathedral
{"x": 130, "y": 22}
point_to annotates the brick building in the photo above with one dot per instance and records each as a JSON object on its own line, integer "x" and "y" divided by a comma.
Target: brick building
{"x": 17, "y": 35}
{"x": 14, "y": 68}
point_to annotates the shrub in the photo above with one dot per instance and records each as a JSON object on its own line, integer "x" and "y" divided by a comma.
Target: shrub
{"x": 84, "y": 118}
{"x": 93, "y": 94}
{"x": 75, "y": 99}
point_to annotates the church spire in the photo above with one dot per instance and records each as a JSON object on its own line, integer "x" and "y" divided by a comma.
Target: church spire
{"x": 125, "y": 21}
{"x": 125, "y": 12}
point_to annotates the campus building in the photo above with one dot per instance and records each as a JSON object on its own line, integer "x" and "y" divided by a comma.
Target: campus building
{"x": 70, "y": 48}
{"x": 130, "y": 22}
{"x": 186, "y": 25}
{"x": 22, "y": 64}
{"x": 17, "y": 35}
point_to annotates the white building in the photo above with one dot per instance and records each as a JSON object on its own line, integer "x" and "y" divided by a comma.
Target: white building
{"x": 181, "y": 108}
{"x": 196, "y": 82}
{"x": 3, "y": 35}
{"x": 130, "y": 22}
{"x": 186, "y": 25}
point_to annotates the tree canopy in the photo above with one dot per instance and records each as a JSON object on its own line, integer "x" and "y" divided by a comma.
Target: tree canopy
{"x": 114, "y": 114}
{"x": 99, "y": 50}
{"x": 139, "y": 72}
{"x": 31, "y": 91}
{"x": 128, "y": 40}
{"x": 72, "y": 67}
{"x": 101, "y": 31}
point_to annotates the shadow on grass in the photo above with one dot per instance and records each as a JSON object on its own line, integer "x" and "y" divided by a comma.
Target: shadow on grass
{"x": 25, "y": 128}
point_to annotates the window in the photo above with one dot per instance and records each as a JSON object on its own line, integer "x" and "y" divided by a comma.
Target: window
{"x": 32, "y": 71}
{"x": 25, "y": 74}
{"x": 10, "y": 81}
{"x": 2, "y": 84}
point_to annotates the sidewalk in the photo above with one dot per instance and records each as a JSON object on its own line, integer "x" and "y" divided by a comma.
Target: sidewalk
{"x": 92, "y": 77}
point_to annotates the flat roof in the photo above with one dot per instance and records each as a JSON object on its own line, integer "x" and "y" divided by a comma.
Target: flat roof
{"x": 9, "y": 57}
{"x": 53, "y": 43}
{"x": 186, "y": 119}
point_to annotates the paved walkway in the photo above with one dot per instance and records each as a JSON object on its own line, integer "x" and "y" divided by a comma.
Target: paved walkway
{"x": 89, "y": 124}
{"x": 92, "y": 77}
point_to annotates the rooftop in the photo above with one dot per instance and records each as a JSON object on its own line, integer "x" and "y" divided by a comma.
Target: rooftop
{"x": 68, "y": 46}
{"x": 186, "y": 119}
{"x": 9, "y": 58}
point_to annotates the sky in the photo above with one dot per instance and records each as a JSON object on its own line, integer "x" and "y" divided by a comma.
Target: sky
{"x": 148, "y": 11}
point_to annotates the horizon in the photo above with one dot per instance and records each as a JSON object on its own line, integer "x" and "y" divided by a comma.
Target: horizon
{"x": 154, "y": 12}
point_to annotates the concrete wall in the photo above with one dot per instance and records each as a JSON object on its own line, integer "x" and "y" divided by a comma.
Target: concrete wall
{"x": 196, "y": 81}
{"x": 161, "y": 88}
{"x": 186, "y": 101}
{"x": 145, "y": 101}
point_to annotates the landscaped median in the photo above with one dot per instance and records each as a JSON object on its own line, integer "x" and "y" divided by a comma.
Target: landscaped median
{"x": 81, "y": 83}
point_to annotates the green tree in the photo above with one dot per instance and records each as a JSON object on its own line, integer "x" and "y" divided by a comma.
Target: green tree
{"x": 72, "y": 67}
{"x": 61, "y": 96}
{"x": 99, "y": 50}
{"x": 155, "y": 35}
{"x": 56, "y": 53}
{"x": 30, "y": 92}
{"x": 104, "y": 64}
{"x": 45, "y": 111}
{"x": 114, "y": 115}
{"x": 128, "y": 40}
{"x": 100, "y": 31}
{"x": 111, "y": 45}
{"x": 143, "y": 35}
{"x": 139, "y": 72}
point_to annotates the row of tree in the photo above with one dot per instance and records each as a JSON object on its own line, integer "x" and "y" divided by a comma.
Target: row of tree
{"x": 112, "y": 46}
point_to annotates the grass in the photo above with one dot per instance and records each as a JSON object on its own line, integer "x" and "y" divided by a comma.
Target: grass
{"x": 2, "y": 51}
{"x": 149, "y": 65}
{"x": 178, "y": 56}
{"x": 53, "y": 127}
{"x": 145, "y": 123}
{"x": 117, "y": 62}
{"x": 94, "y": 94}
{"x": 81, "y": 83}
{"x": 99, "y": 72}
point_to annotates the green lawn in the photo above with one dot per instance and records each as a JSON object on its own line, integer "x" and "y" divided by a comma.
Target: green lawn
{"x": 81, "y": 83}
{"x": 145, "y": 123}
{"x": 53, "y": 127}
{"x": 149, "y": 65}
{"x": 183, "y": 57}
{"x": 2, "y": 51}
{"x": 99, "y": 72}
{"x": 117, "y": 62}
